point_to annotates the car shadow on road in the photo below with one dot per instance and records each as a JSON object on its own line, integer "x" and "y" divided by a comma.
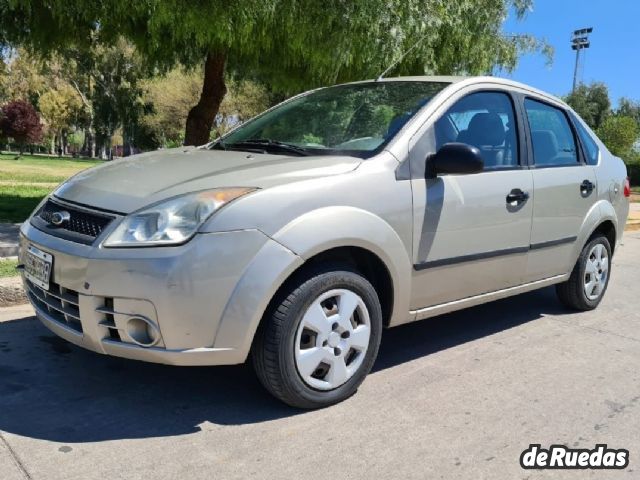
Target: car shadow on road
{"x": 55, "y": 391}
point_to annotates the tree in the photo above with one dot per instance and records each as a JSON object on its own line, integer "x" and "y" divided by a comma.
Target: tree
{"x": 116, "y": 73}
{"x": 288, "y": 44}
{"x": 591, "y": 102}
{"x": 169, "y": 98}
{"x": 619, "y": 134}
{"x": 629, "y": 108}
{"x": 61, "y": 108}
{"x": 19, "y": 121}
{"x": 245, "y": 99}
{"x": 22, "y": 77}
{"x": 167, "y": 101}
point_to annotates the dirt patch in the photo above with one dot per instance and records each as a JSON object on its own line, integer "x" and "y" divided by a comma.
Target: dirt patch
{"x": 11, "y": 292}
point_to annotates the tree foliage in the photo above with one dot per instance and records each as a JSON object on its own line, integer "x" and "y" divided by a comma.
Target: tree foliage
{"x": 61, "y": 108}
{"x": 619, "y": 133}
{"x": 114, "y": 89}
{"x": 19, "y": 121}
{"x": 591, "y": 102}
{"x": 245, "y": 99}
{"x": 289, "y": 44}
{"x": 629, "y": 108}
{"x": 22, "y": 77}
{"x": 169, "y": 98}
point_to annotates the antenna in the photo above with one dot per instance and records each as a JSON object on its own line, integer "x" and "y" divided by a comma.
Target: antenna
{"x": 394, "y": 64}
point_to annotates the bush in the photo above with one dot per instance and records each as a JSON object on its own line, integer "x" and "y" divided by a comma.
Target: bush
{"x": 632, "y": 160}
{"x": 633, "y": 170}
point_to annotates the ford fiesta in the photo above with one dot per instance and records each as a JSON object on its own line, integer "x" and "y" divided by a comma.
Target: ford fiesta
{"x": 300, "y": 235}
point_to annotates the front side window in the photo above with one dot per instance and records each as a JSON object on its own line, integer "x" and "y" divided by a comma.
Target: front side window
{"x": 551, "y": 135}
{"x": 589, "y": 144}
{"x": 485, "y": 120}
{"x": 356, "y": 119}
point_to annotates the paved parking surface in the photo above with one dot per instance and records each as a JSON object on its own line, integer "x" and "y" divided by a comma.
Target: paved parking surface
{"x": 455, "y": 397}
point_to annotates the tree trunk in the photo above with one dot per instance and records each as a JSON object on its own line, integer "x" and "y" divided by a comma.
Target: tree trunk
{"x": 201, "y": 117}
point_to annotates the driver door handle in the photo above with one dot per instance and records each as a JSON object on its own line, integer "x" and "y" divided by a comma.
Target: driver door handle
{"x": 517, "y": 196}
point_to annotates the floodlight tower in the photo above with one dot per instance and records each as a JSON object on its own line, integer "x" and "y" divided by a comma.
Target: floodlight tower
{"x": 579, "y": 41}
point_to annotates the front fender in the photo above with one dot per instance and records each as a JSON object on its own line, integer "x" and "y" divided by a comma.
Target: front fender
{"x": 289, "y": 248}
{"x": 342, "y": 226}
{"x": 268, "y": 270}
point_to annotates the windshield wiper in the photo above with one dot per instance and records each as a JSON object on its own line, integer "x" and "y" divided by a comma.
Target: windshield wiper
{"x": 265, "y": 144}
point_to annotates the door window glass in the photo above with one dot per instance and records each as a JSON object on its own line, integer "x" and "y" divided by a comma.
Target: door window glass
{"x": 485, "y": 120}
{"x": 551, "y": 136}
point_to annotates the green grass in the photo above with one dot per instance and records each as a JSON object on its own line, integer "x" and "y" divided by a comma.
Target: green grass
{"x": 8, "y": 268}
{"x": 24, "y": 181}
{"x": 18, "y": 201}
{"x": 40, "y": 169}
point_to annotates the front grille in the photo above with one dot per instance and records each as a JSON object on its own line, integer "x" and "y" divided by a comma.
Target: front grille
{"x": 58, "y": 302}
{"x": 86, "y": 224}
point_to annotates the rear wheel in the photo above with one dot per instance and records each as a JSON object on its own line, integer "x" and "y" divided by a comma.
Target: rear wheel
{"x": 590, "y": 276}
{"x": 320, "y": 340}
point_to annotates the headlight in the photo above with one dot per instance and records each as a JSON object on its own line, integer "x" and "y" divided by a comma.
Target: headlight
{"x": 173, "y": 221}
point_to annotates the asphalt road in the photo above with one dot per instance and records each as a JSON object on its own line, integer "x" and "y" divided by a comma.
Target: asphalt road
{"x": 460, "y": 396}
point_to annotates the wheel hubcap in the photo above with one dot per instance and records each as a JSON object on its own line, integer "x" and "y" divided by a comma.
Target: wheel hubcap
{"x": 596, "y": 272}
{"x": 332, "y": 339}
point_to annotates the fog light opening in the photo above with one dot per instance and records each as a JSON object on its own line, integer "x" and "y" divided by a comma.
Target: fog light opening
{"x": 142, "y": 331}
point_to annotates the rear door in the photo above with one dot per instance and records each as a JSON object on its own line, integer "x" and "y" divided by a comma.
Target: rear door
{"x": 564, "y": 188}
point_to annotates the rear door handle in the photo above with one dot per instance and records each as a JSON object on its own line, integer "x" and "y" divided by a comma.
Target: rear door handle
{"x": 517, "y": 196}
{"x": 586, "y": 187}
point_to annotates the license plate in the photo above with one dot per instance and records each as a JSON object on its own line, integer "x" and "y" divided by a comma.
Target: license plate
{"x": 37, "y": 267}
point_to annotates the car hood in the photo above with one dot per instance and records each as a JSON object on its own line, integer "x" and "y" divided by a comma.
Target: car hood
{"x": 129, "y": 184}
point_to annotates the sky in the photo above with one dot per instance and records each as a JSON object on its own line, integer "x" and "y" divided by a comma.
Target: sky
{"x": 613, "y": 57}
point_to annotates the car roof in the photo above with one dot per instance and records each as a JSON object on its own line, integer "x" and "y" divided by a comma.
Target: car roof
{"x": 471, "y": 80}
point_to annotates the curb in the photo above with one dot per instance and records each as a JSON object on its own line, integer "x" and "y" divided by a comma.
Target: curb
{"x": 630, "y": 226}
{"x": 9, "y": 239}
{"x": 12, "y": 292}
{"x": 8, "y": 251}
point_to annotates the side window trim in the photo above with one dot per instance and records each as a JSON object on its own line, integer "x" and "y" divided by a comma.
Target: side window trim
{"x": 526, "y": 150}
{"x": 585, "y": 152}
{"x": 579, "y": 154}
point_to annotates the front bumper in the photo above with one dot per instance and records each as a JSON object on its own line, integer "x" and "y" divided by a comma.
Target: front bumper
{"x": 182, "y": 291}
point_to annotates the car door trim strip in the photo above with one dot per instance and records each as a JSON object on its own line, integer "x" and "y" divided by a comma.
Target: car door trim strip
{"x": 553, "y": 243}
{"x": 469, "y": 258}
{"x": 495, "y": 253}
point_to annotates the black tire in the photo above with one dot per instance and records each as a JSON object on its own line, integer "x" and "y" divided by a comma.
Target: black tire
{"x": 273, "y": 348}
{"x": 572, "y": 292}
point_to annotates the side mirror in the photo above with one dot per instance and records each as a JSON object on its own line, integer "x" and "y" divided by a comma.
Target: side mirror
{"x": 458, "y": 158}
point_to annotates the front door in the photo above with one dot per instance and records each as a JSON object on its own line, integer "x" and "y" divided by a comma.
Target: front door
{"x": 472, "y": 232}
{"x": 565, "y": 190}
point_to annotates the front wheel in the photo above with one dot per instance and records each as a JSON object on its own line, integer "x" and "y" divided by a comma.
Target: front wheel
{"x": 320, "y": 339}
{"x": 590, "y": 276}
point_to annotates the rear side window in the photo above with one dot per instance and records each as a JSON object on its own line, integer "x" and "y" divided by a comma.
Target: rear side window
{"x": 589, "y": 144}
{"x": 551, "y": 135}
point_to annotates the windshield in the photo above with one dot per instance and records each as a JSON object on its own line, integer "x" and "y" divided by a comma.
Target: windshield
{"x": 356, "y": 119}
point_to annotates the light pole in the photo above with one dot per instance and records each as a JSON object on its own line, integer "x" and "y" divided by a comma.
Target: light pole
{"x": 579, "y": 41}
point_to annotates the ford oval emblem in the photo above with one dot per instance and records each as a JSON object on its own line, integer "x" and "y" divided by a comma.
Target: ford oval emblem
{"x": 59, "y": 218}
